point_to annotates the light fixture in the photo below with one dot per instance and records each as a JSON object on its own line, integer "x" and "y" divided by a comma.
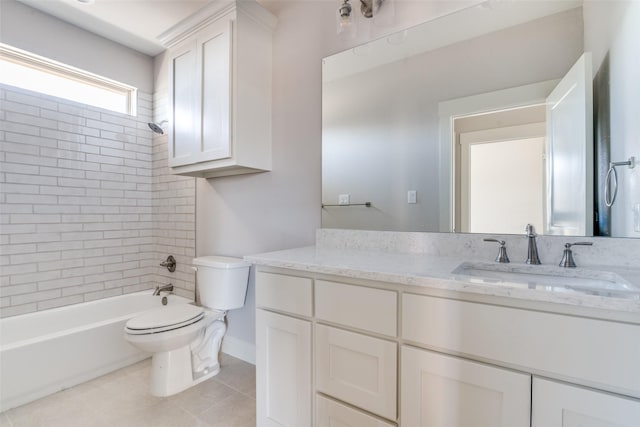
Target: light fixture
{"x": 369, "y": 8}
{"x": 346, "y": 19}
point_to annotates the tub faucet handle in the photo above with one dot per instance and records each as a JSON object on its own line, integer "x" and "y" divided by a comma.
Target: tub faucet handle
{"x": 170, "y": 263}
{"x": 502, "y": 250}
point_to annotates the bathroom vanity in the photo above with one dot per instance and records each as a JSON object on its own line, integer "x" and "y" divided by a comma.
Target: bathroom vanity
{"x": 391, "y": 333}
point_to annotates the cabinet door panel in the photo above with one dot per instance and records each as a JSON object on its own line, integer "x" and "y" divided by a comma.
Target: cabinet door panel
{"x": 444, "y": 391}
{"x": 214, "y": 48}
{"x": 183, "y": 144}
{"x": 563, "y": 405}
{"x": 358, "y": 369}
{"x": 283, "y": 370}
{"x": 330, "y": 413}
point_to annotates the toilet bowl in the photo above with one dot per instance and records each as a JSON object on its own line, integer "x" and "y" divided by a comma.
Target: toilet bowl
{"x": 185, "y": 339}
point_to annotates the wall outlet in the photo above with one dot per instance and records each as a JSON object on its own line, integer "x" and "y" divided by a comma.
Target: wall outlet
{"x": 343, "y": 199}
{"x": 412, "y": 196}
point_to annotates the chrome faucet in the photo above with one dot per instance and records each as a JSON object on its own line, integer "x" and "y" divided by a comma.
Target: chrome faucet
{"x": 532, "y": 248}
{"x": 165, "y": 288}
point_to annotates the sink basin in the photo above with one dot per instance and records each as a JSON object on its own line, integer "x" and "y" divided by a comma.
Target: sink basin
{"x": 550, "y": 278}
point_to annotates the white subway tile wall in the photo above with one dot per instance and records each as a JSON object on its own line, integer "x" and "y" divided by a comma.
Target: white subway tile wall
{"x": 88, "y": 208}
{"x": 174, "y": 211}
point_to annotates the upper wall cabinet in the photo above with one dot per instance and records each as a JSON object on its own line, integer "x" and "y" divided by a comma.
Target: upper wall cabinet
{"x": 220, "y": 90}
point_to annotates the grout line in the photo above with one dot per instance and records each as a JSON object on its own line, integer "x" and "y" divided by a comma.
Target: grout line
{"x": 233, "y": 388}
{"x": 239, "y": 391}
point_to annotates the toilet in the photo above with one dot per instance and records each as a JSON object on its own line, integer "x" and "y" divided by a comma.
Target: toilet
{"x": 185, "y": 339}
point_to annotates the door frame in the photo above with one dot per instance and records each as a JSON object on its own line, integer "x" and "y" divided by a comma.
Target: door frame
{"x": 448, "y": 111}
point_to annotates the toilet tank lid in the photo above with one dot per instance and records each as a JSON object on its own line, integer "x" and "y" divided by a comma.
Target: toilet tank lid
{"x": 221, "y": 262}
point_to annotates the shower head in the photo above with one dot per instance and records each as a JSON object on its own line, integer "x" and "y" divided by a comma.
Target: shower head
{"x": 157, "y": 128}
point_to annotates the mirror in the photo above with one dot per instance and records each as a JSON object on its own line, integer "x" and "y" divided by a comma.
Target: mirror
{"x": 472, "y": 123}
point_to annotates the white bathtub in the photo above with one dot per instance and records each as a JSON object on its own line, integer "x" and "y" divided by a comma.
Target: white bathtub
{"x": 48, "y": 351}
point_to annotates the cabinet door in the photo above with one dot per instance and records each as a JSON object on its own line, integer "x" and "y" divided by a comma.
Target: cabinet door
{"x": 563, "y": 405}
{"x": 283, "y": 371}
{"x": 445, "y": 391}
{"x": 330, "y": 413}
{"x": 200, "y": 96}
{"x": 214, "y": 46}
{"x": 183, "y": 142}
{"x": 357, "y": 369}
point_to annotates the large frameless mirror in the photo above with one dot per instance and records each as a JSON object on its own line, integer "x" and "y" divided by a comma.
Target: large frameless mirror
{"x": 502, "y": 114}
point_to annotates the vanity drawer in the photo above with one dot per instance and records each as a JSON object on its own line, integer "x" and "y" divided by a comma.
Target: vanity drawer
{"x": 597, "y": 353}
{"x": 290, "y": 294}
{"x": 357, "y": 369}
{"x": 330, "y": 413}
{"x": 369, "y": 309}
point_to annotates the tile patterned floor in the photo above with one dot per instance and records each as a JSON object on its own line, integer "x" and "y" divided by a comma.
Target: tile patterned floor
{"x": 122, "y": 399}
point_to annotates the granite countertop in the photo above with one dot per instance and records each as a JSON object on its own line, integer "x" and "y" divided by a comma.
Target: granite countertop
{"x": 443, "y": 273}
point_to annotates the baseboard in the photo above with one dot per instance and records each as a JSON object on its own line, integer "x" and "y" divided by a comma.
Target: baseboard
{"x": 239, "y": 349}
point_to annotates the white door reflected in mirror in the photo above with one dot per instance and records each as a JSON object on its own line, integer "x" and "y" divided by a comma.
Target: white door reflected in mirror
{"x": 570, "y": 153}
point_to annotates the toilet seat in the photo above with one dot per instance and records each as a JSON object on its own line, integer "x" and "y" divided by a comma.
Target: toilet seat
{"x": 164, "y": 319}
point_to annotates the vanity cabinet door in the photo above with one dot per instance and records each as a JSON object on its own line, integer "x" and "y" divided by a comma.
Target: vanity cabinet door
{"x": 330, "y": 413}
{"x": 445, "y": 391}
{"x": 564, "y": 405}
{"x": 357, "y": 369}
{"x": 283, "y": 371}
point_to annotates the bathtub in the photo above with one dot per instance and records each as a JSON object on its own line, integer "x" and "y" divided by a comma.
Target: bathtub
{"x": 48, "y": 351}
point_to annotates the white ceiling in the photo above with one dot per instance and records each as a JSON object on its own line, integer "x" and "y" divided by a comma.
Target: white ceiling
{"x": 138, "y": 23}
{"x": 132, "y": 23}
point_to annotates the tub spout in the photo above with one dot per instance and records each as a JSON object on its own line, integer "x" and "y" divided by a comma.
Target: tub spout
{"x": 165, "y": 288}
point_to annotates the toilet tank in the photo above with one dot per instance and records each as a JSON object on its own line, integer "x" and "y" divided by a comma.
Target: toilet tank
{"x": 221, "y": 281}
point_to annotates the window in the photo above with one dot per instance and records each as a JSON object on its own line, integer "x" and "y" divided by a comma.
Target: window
{"x": 32, "y": 72}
